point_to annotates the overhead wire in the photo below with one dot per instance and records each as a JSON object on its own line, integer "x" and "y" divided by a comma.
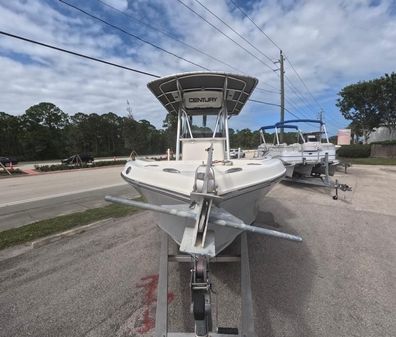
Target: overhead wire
{"x": 305, "y": 106}
{"x": 298, "y": 109}
{"x": 290, "y": 102}
{"x": 302, "y": 81}
{"x": 78, "y": 54}
{"x": 304, "y": 102}
{"x": 279, "y": 48}
{"x": 19, "y": 37}
{"x": 133, "y": 35}
{"x": 232, "y": 29}
{"x": 181, "y": 42}
{"x": 269, "y": 91}
{"x": 310, "y": 93}
{"x": 241, "y": 36}
{"x": 169, "y": 35}
{"x": 303, "y": 97}
{"x": 273, "y": 104}
{"x": 251, "y": 20}
{"x": 224, "y": 34}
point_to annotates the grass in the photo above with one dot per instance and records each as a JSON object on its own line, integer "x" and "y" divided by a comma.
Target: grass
{"x": 370, "y": 161}
{"x": 47, "y": 227}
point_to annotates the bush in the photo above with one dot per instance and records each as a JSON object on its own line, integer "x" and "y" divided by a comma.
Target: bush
{"x": 385, "y": 142}
{"x": 13, "y": 171}
{"x": 354, "y": 151}
{"x": 62, "y": 167}
{"x": 108, "y": 163}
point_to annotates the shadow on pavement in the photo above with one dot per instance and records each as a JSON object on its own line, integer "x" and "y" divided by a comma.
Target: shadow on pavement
{"x": 282, "y": 275}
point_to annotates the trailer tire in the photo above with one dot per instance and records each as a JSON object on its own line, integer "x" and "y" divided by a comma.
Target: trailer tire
{"x": 199, "y": 306}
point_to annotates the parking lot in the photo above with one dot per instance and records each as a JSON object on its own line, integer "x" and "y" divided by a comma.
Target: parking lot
{"x": 340, "y": 281}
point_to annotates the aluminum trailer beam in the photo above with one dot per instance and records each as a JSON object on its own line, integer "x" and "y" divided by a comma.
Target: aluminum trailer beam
{"x": 247, "y": 315}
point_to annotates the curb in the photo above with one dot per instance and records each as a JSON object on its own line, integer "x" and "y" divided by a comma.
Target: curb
{"x": 55, "y": 237}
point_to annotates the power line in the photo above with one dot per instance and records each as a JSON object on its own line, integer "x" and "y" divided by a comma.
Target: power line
{"x": 302, "y": 81}
{"x": 168, "y": 35}
{"x": 78, "y": 54}
{"x": 273, "y": 104}
{"x": 240, "y": 35}
{"x": 224, "y": 34}
{"x": 99, "y": 60}
{"x": 133, "y": 35}
{"x": 207, "y": 9}
{"x": 262, "y": 102}
{"x": 306, "y": 116}
{"x": 306, "y": 87}
{"x": 277, "y": 46}
{"x": 162, "y": 49}
{"x": 269, "y": 91}
{"x": 290, "y": 102}
{"x": 251, "y": 20}
{"x": 298, "y": 94}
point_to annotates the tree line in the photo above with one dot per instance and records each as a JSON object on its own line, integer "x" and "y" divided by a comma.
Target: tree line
{"x": 45, "y": 132}
{"x": 369, "y": 104}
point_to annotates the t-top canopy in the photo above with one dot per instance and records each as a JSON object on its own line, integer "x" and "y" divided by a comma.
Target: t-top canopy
{"x": 199, "y": 92}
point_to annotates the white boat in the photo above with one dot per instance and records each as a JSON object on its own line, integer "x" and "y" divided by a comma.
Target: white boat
{"x": 307, "y": 157}
{"x": 204, "y": 198}
{"x": 212, "y": 198}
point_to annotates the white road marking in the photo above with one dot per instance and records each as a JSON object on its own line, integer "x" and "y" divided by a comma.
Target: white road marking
{"x": 13, "y": 203}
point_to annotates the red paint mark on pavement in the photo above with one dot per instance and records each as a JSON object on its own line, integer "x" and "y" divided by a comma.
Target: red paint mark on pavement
{"x": 30, "y": 171}
{"x": 150, "y": 285}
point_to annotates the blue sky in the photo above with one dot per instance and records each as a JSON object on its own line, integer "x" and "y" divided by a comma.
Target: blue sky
{"x": 329, "y": 43}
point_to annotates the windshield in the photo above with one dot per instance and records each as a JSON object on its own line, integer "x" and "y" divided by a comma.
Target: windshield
{"x": 203, "y": 126}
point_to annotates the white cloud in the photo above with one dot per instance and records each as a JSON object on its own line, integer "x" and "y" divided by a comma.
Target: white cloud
{"x": 331, "y": 44}
{"x": 119, "y": 4}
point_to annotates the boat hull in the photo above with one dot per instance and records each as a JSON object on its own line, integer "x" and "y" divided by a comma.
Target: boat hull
{"x": 242, "y": 204}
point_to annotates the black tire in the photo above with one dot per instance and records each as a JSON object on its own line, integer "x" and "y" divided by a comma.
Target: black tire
{"x": 199, "y": 306}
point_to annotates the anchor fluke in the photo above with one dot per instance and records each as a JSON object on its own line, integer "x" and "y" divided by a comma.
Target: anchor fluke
{"x": 218, "y": 217}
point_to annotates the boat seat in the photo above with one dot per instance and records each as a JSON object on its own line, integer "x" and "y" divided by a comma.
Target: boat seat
{"x": 195, "y": 148}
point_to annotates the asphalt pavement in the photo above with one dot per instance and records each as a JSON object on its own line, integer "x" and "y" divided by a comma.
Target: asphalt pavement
{"x": 25, "y": 213}
{"x": 24, "y": 189}
{"x": 31, "y": 198}
{"x": 340, "y": 281}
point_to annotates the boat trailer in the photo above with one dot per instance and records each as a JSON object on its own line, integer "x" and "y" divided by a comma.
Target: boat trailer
{"x": 200, "y": 285}
{"x": 201, "y": 289}
{"x": 322, "y": 180}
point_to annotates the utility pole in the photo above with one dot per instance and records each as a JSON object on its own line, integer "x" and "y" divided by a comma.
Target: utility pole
{"x": 282, "y": 94}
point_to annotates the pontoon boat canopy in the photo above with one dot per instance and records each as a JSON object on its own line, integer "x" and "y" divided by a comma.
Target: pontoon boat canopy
{"x": 299, "y": 121}
{"x": 196, "y": 92}
{"x": 277, "y": 126}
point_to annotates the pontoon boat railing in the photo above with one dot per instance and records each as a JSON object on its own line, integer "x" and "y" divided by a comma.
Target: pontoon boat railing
{"x": 322, "y": 124}
{"x": 268, "y": 127}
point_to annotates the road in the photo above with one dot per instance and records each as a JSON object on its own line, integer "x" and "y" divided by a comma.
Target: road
{"x": 31, "y": 198}
{"x": 339, "y": 282}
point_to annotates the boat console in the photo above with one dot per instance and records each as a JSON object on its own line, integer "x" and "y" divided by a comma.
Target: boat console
{"x": 203, "y": 104}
